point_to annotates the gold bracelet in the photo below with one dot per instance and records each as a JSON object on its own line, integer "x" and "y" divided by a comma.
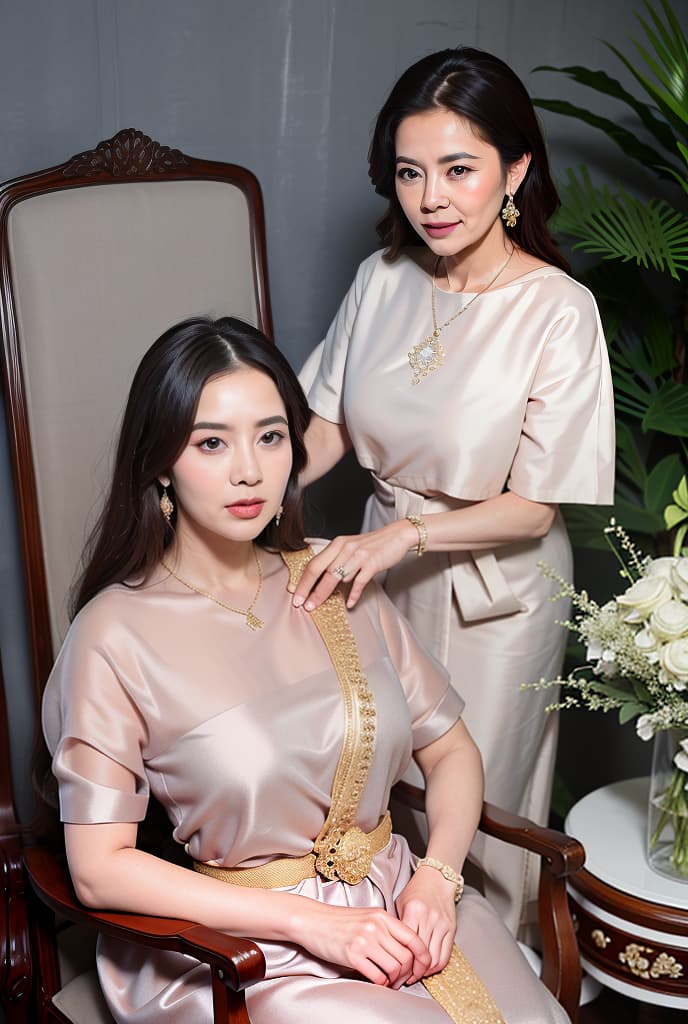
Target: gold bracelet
{"x": 446, "y": 871}
{"x": 419, "y": 524}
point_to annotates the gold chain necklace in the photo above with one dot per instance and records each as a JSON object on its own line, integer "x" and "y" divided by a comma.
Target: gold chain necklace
{"x": 252, "y": 621}
{"x": 428, "y": 355}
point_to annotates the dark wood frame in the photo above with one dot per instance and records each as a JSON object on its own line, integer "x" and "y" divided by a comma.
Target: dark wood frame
{"x": 28, "y": 965}
{"x": 632, "y": 910}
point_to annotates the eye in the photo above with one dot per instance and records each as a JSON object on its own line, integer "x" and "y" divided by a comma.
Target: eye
{"x": 210, "y": 444}
{"x": 407, "y": 174}
{"x": 458, "y": 171}
{"x": 272, "y": 438}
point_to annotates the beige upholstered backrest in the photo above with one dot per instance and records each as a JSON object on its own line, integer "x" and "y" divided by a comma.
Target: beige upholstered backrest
{"x": 97, "y": 273}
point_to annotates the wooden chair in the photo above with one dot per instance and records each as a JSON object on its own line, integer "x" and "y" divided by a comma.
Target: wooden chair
{"x": 98, "y": 256}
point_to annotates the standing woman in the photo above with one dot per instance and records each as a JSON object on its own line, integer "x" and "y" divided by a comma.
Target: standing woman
{"x": 469, "y": 372}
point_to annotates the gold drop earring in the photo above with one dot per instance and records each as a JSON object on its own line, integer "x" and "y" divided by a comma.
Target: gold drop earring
{"x": 510, "y": 212}
{"x": 166, "y": 505}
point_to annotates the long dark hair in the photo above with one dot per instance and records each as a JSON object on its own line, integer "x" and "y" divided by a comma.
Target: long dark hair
{"x": 131, "y": 534}
{"x": 485, "y": 91}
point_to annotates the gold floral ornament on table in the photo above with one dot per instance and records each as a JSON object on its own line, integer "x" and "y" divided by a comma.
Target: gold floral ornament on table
{"x": 637, "y": 651}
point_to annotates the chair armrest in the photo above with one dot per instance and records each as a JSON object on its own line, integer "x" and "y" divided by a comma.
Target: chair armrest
{"x": 561, "y": 855}
{"x": 564, "y": 854}
{"x": 240, "y": 961}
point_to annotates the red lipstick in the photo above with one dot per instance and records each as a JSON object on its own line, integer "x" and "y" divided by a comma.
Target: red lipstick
{"x": 247, "y": 508}
{"x": 439, "y": 230}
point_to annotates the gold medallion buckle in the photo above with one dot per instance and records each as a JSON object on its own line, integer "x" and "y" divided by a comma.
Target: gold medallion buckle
{"x": 349, "y": 857}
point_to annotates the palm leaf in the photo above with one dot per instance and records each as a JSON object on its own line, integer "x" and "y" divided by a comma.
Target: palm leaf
{"x": 651, "y": 354}
{"x": 669, "y": 105}
{"x": 621, "y": 227}
{"x": 627, "y": 141}
{"x": 680, "y": 176}
{"x": 668, "y": 410}
{"x": 672, "y": 35}
{"x": 603, "y": 83}
{"x": 661, "y": 483}
{"x": 623, "y": 298}
{"x": 629, "y": 461}
{"x": 586, "y": 523}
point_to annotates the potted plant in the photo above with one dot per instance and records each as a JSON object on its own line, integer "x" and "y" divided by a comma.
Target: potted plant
{"x": 639, "y": 277}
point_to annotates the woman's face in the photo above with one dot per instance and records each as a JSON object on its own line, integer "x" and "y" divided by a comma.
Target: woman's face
{"x": 450, "y": 183}
{"x": 231, "y": 477}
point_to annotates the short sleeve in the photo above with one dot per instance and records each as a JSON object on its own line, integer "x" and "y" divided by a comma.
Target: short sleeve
{"x": 322, "y": 376}
{"x": 94, "y": 732}
{"x": 566, "y": 451}
{"x": 434, "y": 704}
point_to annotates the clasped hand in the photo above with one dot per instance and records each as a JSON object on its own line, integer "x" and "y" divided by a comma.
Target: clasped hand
{"x": 354, "y": 560}
{"x": 388, "y": 950}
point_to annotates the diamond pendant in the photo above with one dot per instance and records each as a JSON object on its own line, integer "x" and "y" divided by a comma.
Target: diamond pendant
{"x": 426, "y": 357}
{"x": 253, "y": 622}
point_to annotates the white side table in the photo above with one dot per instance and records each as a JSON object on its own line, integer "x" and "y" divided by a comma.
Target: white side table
{"x": 632, "y": 923}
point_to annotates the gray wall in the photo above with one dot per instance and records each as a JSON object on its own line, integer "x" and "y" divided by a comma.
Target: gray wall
{"x": 289, "y": 88}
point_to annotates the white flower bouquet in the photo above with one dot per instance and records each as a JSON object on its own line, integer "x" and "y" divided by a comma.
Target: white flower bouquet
{"x": 637, "y": 651}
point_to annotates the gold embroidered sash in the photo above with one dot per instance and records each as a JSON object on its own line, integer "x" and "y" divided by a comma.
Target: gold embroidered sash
{"x": 341, "y": 847}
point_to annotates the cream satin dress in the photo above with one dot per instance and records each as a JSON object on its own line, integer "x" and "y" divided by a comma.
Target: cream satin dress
{"x": 523, "y": 402}
{"x": 238, "y": 735}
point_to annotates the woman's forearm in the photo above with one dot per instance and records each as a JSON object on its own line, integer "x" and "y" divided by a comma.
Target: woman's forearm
{"x": 326, "y": 444}
{"x": 108, "y": 872}
{"x": 124, "y": 878}
{"x": 453, "y": 799}
{"x": 505, "y": 519}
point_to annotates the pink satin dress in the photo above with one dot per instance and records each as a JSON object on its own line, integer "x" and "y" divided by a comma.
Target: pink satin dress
{"x": 522, "y": 402}
{"x": 238, "y": 735}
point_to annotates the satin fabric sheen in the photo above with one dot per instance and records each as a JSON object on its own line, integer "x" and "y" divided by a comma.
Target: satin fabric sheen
{"x": 220, "y": 723}
{"x": 523, "y": 402}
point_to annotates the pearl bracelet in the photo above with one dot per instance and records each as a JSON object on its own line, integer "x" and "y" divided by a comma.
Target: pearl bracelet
{"x": 446, "y": 871}
{"x": 422, "y": 529}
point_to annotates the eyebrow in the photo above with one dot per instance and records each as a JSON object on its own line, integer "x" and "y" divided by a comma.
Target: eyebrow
{"x": 449, "y": 159}
{"x": 267, "y": 422}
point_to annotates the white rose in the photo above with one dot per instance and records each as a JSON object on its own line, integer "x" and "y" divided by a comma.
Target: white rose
{"x": 674, "y": 659}
{"x": 670, "y": 620}
{"x": 646, "y": 641}
{"x": 644, "y": 596}
{"x": 679, "y": 577}
{"x": 606, "y": 666}
{"x": 660, "y": 567}
{"x": 681, "y": 757}
{"x": 645, "y": 727}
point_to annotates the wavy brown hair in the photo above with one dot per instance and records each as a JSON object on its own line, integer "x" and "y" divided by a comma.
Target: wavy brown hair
{"x": 131, "y": 534}
{"x": 484, "y": 90}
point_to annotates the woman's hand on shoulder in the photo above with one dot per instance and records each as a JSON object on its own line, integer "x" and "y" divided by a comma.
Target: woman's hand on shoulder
{"x": 353, "y": 560}
{"x": 368, "y": 940}
{"x": 426, "y": 905}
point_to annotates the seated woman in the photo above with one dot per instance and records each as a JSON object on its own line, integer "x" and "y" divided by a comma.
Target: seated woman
{"x": 270, "y": 736}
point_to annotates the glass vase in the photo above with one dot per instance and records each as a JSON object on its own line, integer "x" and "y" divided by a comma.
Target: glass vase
{"x": 667, "y": 819}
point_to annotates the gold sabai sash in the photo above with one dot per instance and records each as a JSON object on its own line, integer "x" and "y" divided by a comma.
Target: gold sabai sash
{"x": 342, "y": 850}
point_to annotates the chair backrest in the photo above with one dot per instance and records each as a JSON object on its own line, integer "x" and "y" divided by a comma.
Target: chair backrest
{"x": 98, "y": 256}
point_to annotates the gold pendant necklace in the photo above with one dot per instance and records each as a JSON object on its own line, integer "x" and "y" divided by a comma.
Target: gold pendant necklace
{"x": 252, "y": 620}
{"x": 428, "y": 355}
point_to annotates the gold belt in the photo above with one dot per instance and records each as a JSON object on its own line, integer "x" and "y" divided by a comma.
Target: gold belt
{"x": 351, "y": 862}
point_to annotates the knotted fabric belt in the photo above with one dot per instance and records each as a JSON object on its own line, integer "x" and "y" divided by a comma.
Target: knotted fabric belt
{"x": 477, "y": 580}
{"x": 350, "y": 862}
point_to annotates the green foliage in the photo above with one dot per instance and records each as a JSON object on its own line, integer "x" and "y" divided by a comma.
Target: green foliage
{"x": 641, "y": 278}
{"x": 620, "y": 227}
